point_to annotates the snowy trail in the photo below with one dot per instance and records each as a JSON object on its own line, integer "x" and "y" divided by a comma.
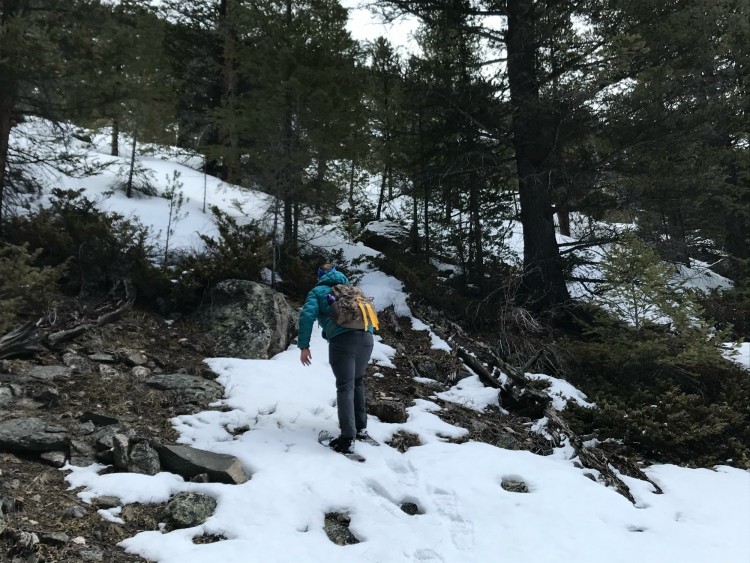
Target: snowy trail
{"x": 279, "y": 407}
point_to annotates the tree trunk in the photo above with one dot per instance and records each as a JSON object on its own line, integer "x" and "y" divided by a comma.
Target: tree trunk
{"x": 543, "y": 278}
{"x": 229, "y": 98}
{"x": 115, "y": 140}
{"x": 9, "y": 40}
{"x": 7, "y": 104}
{"x": 129, "y": 187}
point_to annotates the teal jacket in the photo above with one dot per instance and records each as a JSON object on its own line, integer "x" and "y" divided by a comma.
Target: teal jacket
{"x": 316, "y": 307}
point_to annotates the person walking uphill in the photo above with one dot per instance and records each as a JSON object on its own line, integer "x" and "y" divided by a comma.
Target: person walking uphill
{"x": 349, "y": 353}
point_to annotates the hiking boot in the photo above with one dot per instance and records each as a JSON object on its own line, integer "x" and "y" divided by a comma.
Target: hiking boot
{"x": 342, "y": 445}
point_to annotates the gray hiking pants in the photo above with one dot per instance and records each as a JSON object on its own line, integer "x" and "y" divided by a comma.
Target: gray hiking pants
{"x": 349, "y": 353}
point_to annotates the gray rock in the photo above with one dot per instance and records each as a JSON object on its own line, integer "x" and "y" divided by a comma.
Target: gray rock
{"x": 54, "y": 538}
{"x": 108, "y": 501}
{"x": 104, "y": 436}
{"x": 76, "y": 363}
{"x": 134, "y": 358}
{"x": 336, "y": 527}
{"x": 49, "y": 396}
{"x": 191, "y": 388}
{"x": 186, "y": 510}
{"x": 31, "y": 435}
{"x": 385, "y": 236}
{"x": 6, "y": 395}
{"x": 104, "y": 358}
{"x": 108, "y": 372}
{"x": 120, "y": 451}
{"x": 190, "y": 462}
{"x": 393, "y": 412}
{"x": 74, "y": 511}
{"x": 248, "y": 320}
{"x": 99, "y": 419}
{"x": 48, "y": 373}
{"x": 87, "y": 428}
{"x": 514, "y": 486}
{"x": 7, "y": 505}
{"x": 55, "y": 459}
{"x": 81, "y": 454}
{"x": 144, "y": 459}
{"x": 141, "y": 372}
{"x": 91, "y": 554}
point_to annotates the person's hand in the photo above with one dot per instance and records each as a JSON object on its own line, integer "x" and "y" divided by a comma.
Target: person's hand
{"x": 305, "y": 356}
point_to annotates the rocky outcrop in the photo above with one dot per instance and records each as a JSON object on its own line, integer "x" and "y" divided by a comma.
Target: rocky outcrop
{"x": 248, "y": 320}
{"x": 31, "y": 434}
{"x": 188, "y": 388}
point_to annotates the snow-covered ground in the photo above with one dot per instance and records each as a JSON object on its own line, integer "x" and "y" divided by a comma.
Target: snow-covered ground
{"x": 703, "y": 515}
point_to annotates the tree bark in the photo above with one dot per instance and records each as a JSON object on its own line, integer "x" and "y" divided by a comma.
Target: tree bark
{"x": 543, "y": 278}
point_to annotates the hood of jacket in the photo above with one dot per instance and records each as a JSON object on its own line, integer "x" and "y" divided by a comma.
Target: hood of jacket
{"x": 332, "y": 278}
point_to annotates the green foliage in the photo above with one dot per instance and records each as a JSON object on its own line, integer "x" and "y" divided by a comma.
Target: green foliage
{"x": 240, "y": 252}
{"x": 655, "y": 370}
{"x": 25, "y": 288}
{"x": 730, "y": 311}
{"x": 102, "y": 248}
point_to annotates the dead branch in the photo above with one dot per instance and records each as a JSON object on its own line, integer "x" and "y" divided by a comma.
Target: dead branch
{"x": 26, "y": 339}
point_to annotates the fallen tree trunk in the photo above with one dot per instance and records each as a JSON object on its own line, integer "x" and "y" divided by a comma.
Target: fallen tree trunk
{"x": 26, "y": 339}
{"x": 30, "y": 338}
{"x": 520, "y": 396}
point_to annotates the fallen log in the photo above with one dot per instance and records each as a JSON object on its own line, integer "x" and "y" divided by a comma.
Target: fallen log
{"x": 26, "y": 339}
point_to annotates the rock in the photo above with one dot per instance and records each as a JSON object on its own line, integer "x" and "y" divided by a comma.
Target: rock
{"x": 87, "y": 428}
{"x": 104, "y": 436}
{"x": 104, "y": 358}
{"x": 248, "y": 320}
{"x": 393, "y": 412}
{"x": 98, "y": 418}
{"x": 47, "y": 373}
{"x": 134, "y": 358}
{"x": 3, "y": 523}
{"x": 49, "y": 396}
{"x": 74, "y": 511}
{"x": 144, "y": 459}
{"x": 91, "y": 554}
{"x": 120, "y": 451}
{"x": 81, "y": 454}
{"x": 514, "y": 486}
{"x": 108, "y": 372}
{"x": 411, "y": 508}
{"x": 76, "y": 363}
{"x": 186, "y": 510}
{"x": 336, "y": 527}
{"x": 385, "y": 236}
{"x": 108, "y": 501}
{"x": 7, "y": 505}
{"x": 191, "y": 388}
{"x": 190, "y": 462}
{"x": 54, "y": 538}
{"x": 55, "y": 459}
{"x": 141, "y": 372}
{"x": 31, "y": 435}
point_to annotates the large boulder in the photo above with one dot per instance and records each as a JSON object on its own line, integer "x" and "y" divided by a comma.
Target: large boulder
{"x": 31, "y": 435}
{"x": 248, "y": 320}
{"x": 385, "y": 236}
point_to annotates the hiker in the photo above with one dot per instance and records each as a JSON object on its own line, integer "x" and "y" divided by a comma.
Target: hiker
{"x": 349, "y": 351}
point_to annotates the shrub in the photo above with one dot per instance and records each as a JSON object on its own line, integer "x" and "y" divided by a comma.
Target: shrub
{"x": 239, "y": 252}
{"x": 102, "y": 248}
{"x": 25, "y": 289}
